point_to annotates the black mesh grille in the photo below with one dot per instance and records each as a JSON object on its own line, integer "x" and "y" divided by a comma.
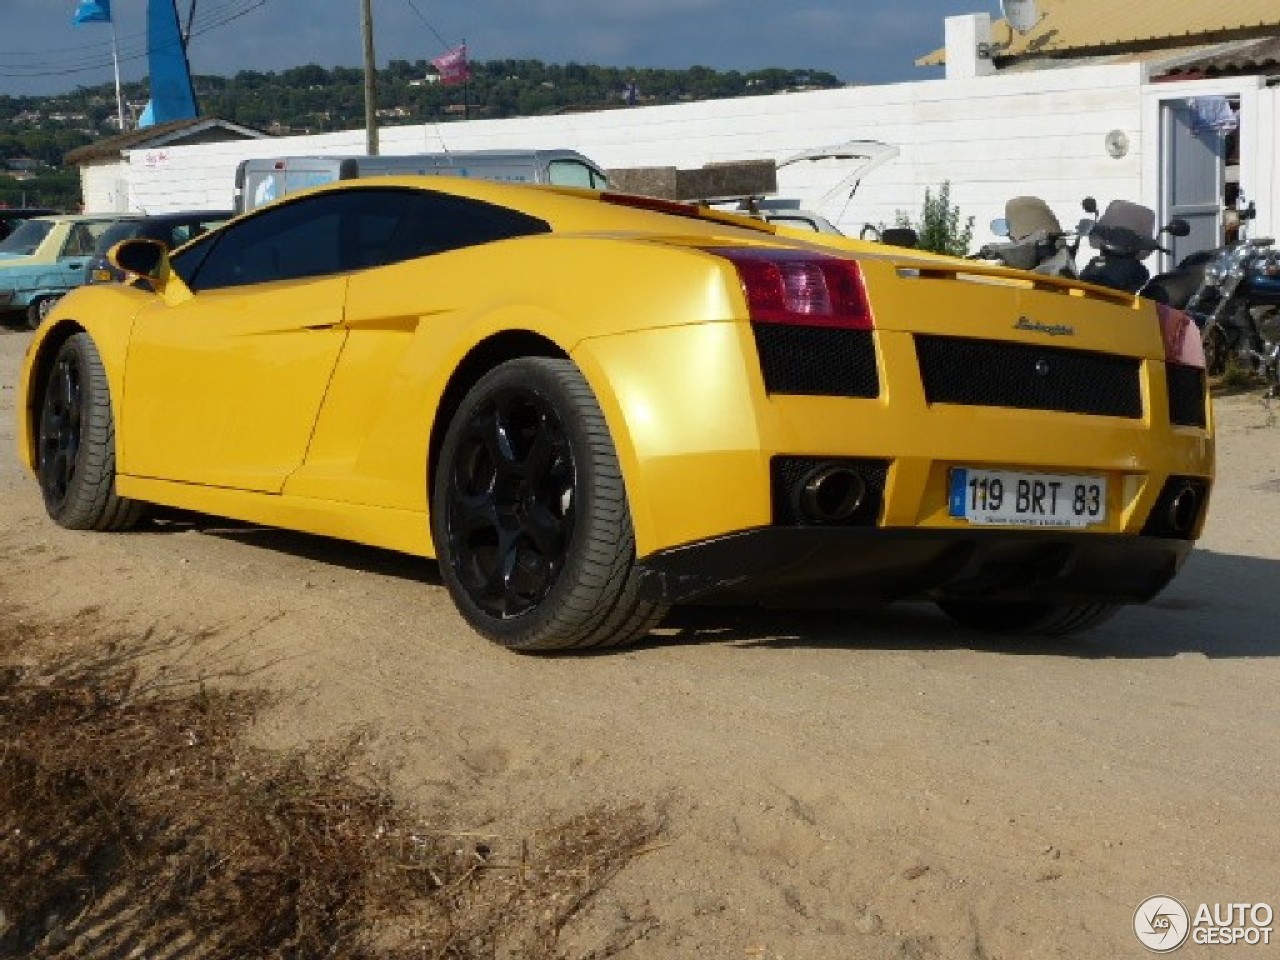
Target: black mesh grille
{"x": 817, "y": 361}
{"x": 789, "y": 475}
{"x": 988, "y": 373}
{"x": 1186, "y": 395}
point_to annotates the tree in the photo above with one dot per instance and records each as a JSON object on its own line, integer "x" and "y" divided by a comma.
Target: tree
{"x": 940, "y": 228}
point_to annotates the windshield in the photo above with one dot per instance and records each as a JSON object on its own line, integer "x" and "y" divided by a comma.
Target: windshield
{"x": 24, "y": 241}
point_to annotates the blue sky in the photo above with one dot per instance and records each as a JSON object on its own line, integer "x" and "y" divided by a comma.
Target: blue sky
{"x": 860, "y": 41}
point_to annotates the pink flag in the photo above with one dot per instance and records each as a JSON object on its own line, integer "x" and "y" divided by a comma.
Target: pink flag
{"x": 453, "y": 66}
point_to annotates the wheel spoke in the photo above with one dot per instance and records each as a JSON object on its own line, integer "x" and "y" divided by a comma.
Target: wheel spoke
{"x": 59, "y": 438}
{"x": 544, "y": 530}
{"x": 509, "y": 510}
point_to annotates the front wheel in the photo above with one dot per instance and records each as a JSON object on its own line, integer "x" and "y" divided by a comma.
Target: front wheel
{"x": 1216, "y": 350}
{"x": 38, "y": 310}
{"x": 76, "y": 443}
{"x": 1043, "y": 619}
{"x": 530, "y": 516}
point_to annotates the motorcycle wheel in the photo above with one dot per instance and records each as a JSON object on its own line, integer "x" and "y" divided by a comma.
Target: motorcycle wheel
{"x": 1216, "y": 350}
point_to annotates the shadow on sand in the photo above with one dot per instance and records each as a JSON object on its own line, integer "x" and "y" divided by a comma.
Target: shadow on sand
{"x": 1220, "y": 606}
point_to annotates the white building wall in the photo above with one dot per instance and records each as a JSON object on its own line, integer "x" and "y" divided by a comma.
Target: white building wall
{"x": 1039, "y": 133}
{"x": 105, "y": 188}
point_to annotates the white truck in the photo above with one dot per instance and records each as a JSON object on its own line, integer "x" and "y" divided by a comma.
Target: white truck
{"x": 261, "y": 180}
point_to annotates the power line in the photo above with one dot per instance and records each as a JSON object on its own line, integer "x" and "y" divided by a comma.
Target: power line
{"x": 421, "y": 16}
{"x": 133, "y": 47}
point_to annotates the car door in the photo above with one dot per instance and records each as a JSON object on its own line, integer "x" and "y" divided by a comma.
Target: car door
{"x": 76, "y": 251}
{"x": 223, "y": 389}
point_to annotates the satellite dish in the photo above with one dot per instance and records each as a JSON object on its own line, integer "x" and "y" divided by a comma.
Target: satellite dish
{"x": 1022, "y": 15}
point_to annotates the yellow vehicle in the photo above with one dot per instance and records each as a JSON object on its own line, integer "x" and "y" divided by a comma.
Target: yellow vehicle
{"x": 590, "y": 406}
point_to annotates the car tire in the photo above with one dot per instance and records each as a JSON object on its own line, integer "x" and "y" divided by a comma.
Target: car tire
{"x": 75, "y": 443}
{"x": 38, "y": 309}
{"x": 530, "y": 516}
{"x": 1042, "y": 619}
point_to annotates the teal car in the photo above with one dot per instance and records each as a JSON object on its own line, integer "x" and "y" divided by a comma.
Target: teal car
{"x": 44, "y": 258}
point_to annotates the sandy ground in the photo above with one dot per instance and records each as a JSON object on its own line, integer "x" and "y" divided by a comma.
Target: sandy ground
{"x": 873, "y": 785}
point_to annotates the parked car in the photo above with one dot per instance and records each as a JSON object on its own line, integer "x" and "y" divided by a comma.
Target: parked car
{"x": 171, "y": 229}
{"x": 43, "y": 259}
{"x": 13, "y": 217}
{"x": 588, "y": 406}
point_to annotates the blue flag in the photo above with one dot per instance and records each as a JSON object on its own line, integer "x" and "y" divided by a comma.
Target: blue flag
{"x": 172, "y": 95}
{"x": 93, "y": 11}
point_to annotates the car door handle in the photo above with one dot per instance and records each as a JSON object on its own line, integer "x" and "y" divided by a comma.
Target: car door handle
{"x": 75, "y": 266}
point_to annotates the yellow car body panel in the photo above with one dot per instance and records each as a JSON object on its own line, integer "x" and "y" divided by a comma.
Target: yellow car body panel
{"x": 319, "y": 404}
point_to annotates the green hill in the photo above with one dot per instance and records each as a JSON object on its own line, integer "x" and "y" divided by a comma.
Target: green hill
{"x": 36, "y": 132}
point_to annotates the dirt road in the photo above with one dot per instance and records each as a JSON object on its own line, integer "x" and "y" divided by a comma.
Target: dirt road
{"x": 873, "y": 785}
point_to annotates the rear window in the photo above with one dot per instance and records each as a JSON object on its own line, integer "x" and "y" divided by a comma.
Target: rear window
{"x": 126, "y": 230}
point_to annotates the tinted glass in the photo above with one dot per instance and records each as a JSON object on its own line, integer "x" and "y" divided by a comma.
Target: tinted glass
{"x": 23, "y": 241}
{"x": 438, "y": 222}
{"x": 350, "y": 230}
{"x": 297, "y": 240}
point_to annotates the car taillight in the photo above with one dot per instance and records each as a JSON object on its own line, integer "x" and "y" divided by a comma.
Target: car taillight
{"x": 801, "y": 288}
{"x": 1182, "y": 343}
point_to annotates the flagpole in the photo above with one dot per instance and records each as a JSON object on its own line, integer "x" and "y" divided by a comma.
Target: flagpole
{"x": 115, "y": 63}
{"x": 466, "y": 89}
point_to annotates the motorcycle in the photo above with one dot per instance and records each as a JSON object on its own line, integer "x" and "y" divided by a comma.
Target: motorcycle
{"x": 1037, "y": 241}
{"x": 1124, "y": 236}
{"x": 1237, "y": 308}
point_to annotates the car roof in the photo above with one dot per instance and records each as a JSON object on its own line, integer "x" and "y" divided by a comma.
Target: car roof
{"x": 86, "y": 218}
{"x": 184, "y": 215}
{"x": 569, "y": 209}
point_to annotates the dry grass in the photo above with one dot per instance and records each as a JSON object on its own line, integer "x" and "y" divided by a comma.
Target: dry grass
{"x": 137, "y": 822}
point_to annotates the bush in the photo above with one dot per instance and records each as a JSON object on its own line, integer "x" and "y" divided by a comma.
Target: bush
{"x": 939, "y": 227}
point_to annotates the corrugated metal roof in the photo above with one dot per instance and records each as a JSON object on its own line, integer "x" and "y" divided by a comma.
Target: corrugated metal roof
{"x": 1256, "y": 56}
{"x": 1067, "y": 26}
{"x": 162, "y": 134}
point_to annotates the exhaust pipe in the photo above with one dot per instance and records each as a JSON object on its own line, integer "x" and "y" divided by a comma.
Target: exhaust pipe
{"x": 830, "y": 494}
{"x": 1184, "y": 507}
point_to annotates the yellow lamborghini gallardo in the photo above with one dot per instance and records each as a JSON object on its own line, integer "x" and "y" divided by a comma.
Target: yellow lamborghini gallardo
{"x": 590, "y": 406}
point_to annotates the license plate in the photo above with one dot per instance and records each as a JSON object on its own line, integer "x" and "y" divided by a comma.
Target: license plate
{"x": 1015, "y": 498}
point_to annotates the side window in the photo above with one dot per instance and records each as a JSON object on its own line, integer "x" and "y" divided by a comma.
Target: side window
{"x": 80, "y": 240}
{"x": 437, "y": 223}
{"x": 290, "y": 242}
{"x": 571, "y": 173}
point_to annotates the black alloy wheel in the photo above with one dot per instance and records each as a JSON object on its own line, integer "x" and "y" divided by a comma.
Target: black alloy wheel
{"x": 75, "y": 443}
{"x": 511, "y": 502}
{"x": 61, "y": 427}
{"x": 531, "y": 522}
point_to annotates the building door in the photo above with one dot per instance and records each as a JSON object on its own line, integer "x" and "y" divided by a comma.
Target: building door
{"x": 1195, "y": 171}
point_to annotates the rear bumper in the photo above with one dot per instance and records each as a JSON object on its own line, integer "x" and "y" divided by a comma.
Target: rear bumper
{"x": 834, "y": 567}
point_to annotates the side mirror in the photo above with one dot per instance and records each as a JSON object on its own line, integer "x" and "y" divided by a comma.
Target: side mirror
{"x": 1178, "y": 227}
{"x": 1000, "y": 227}
{"x": 900, "y": 237}
{"x": 1090, "y": 205}
{"x": 143, "y": 258}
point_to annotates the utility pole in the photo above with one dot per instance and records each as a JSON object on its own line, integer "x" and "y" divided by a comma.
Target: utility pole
{"x": 370, "y": 81}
